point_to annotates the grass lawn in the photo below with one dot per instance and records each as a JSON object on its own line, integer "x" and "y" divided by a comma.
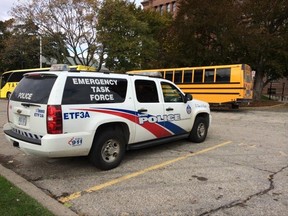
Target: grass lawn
{"x": 14, "y": 202}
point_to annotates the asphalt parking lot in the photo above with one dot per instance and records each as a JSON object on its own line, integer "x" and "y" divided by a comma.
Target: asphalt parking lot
{"x": 241, "y": 169}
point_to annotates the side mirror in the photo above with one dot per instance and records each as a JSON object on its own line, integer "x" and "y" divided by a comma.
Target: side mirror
{"x": 187, "y": 97}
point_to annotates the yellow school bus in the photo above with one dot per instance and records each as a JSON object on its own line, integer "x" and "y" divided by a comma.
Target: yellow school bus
{"x": 217, "y": 85}
{"x": 10, "y": 79}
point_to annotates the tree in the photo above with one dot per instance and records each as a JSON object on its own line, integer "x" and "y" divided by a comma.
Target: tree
{"x": 16, "y": 54}
{"x": 129, "y": 36}
{"x": 264, "y": 40}
{"x": 204, "y": 33}
{"x": 120, "y": 34}
{"x": 5, "y": 33}
{"x": 248, "y": 31}
{"x": 153, "y": 54}
{"x": 70, "y": 23}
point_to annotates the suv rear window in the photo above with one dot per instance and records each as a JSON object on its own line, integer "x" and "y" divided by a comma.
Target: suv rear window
{"x": 34, "y": 89}
{"x": 91, "y": 90}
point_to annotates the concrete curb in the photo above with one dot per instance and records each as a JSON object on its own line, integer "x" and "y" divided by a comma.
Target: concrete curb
{"x": 51, "y": 204}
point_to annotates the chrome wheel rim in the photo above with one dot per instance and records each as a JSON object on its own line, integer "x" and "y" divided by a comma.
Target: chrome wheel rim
{"x": 110, "y": 150}
{"x": 201, "y": 130}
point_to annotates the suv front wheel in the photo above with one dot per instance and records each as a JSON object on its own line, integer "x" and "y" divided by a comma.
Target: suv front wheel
{"x": 199, "y": 131}
{"x": 108, "y": 149}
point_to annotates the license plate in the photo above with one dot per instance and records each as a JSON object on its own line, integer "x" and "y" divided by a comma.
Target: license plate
{"x": 22, "y": 120}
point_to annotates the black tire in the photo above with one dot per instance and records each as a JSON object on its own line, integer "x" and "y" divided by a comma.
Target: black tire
{"x": 108, "y": 149}
{"x": 235, "y": 106}
{"x": 199, "y": 131}
{"x": 8, "y": 95}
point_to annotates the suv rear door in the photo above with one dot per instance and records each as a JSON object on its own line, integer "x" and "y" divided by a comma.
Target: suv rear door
{"x": 150, "y": 111}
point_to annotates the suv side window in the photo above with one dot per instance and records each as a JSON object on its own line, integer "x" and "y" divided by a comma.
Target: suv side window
{"x": 171, "y": 93}
{"x": 146, "y": 91}
{"x": 91, "y": 90}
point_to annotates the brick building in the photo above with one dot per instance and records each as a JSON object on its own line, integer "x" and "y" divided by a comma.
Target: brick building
{"x": 168, "y": 6}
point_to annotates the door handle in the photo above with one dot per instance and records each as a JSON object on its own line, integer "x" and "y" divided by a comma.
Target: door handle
{"x": 142, "y": 110}
{"x": 169, "y": 109}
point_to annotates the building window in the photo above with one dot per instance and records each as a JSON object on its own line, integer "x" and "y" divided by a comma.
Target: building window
{"x": 168, "y": 9}
{"x": 161, "y": 9}
{"x": 173, "y": 6}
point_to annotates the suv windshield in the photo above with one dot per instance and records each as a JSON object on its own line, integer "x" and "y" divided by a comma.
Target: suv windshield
{"x": 34, "y": 89}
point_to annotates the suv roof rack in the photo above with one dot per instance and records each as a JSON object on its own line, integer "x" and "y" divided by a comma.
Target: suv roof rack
{"x": 59, "y": 67}
{"x": 145, "y": 73}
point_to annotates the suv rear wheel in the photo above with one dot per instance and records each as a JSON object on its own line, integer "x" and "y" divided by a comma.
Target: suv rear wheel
{"x": 108, "y": 149}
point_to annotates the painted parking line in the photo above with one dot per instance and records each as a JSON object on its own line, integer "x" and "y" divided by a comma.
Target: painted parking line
{"x": 138, "y": 173}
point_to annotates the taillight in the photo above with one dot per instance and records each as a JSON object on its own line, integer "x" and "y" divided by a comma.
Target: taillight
{"x": 54, "y": 119}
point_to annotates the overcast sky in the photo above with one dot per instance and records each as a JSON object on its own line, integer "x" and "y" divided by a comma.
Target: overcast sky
{"x": 6, "y": 5}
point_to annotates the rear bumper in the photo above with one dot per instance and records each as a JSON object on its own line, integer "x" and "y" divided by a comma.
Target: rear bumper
{"x": 52, "y": 145}
{"x": 243, "y": 101}
{"x": 12, "y": 133}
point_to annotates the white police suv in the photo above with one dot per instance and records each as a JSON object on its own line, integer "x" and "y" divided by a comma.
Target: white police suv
{"x": 60, "y": 114}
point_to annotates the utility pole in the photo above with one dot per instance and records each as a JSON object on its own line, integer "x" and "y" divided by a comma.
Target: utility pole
{"x": 40, "y": 57}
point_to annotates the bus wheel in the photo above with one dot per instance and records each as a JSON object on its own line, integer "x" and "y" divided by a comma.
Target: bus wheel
{"x": 8, "y": 95}
{"x": 199, "y": 131}
{"x": 235, "y": 106}
{"x": 108, "y": 149}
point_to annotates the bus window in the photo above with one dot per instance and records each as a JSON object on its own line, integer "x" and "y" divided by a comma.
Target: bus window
{"x": 198, "y": 76}
{"x": 178, "y": 76}
{"x": 17, "y": 76}
{"x": 187, "y": 76}
{"x": 169, "y": 75}
{"x": 223, "y": 74}
{"x": 4, "y": 79}
{"x": 247, "y": 74}
{"x": 209, "y": 75}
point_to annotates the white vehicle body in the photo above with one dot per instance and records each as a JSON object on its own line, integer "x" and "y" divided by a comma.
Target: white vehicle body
{"x": 61, "y": 114}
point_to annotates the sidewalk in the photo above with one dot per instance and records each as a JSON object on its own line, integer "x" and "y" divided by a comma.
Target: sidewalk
{"x": 51, "y": 204}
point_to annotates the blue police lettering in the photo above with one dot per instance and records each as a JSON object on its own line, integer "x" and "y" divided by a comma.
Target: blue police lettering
{"x": 159, "y": 118}
{"x": 76, "y": 115}
{"x": 39, "y": 113}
